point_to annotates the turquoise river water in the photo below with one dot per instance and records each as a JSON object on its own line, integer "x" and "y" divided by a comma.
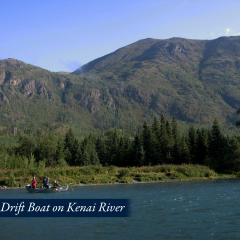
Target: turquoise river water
{"x": 203, "y": 209}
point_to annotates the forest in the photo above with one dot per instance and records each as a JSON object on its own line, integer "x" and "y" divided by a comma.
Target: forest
{"x": 157, "y": 144}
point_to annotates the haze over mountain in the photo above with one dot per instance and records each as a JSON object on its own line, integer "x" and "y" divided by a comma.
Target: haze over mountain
{"x": 193, "y": 80}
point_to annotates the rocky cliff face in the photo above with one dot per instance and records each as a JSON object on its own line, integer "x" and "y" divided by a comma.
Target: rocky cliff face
{"x": 37, "y": 87}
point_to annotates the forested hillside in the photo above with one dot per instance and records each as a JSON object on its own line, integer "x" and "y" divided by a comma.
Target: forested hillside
{"x": 194, "y": 80}
{"x": 155, "y": 144}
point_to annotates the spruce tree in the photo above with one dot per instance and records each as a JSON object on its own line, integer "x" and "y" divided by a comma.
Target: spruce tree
{"x": 192, "y": 144}
{"x": 149, "y": 145}
{"x": 175, "y": 130}
{"x": 163, "y": 120}
{"x": 101, "y": 151}
{"x": 94, "y": 158}
{"x": 164, "y": 144}
{"x": 138, "y": 152}
{"x": 169, "y": 133}
{"x": 60, "y": 155}
{"x": 232, "y": 160}
{"x": 69, "y": 147}
{"x": 156, "y": 126}
{"x": 76, "y": 154}
{"x": 176, "y": 153}
{"x": 85, "y": 159}
{"x": 184, "y": 152}
{"x": 216, "y": 144}
{"x": 201, "y": 146}
{"x": 238, "y": 121}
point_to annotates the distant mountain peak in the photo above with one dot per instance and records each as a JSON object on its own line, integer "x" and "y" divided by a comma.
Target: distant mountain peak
{"x": 11, "y": 63}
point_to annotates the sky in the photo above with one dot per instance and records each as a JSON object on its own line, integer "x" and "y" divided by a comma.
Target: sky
{"x": 63, "y": 35}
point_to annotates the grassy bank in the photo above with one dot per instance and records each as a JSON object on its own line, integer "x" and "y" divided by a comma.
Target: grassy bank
{"x": 107, "y": 175}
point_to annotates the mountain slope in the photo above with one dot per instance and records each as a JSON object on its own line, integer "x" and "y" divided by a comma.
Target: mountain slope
{"x": 29, "y": 94}
{"x": 193, "y": 80}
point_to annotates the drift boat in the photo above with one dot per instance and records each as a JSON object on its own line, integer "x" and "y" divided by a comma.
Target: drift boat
{"x": 45, "y": 190}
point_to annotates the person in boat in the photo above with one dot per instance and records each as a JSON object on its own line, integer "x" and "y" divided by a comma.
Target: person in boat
{"x": 34, "y": 182}
{"x": 47, "y": 183}
{"x": 56, "y": 184}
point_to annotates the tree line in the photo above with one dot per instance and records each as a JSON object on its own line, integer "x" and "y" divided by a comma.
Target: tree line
{"x": 159, "y": 143}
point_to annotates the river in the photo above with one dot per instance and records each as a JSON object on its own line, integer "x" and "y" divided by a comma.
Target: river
{"x": 202, "y": 209}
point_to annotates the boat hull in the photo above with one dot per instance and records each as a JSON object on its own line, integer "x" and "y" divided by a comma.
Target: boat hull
{"x": 44, "y": 190}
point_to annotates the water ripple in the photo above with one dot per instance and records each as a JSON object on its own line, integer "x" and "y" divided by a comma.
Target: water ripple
{"x": 178, "y": 210}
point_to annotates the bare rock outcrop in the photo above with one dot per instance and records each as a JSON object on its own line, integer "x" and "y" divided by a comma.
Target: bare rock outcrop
{"x": 36, "y": 86}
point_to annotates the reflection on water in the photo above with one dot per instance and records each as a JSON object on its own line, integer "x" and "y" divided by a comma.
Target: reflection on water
{"x": 205, "y": 209}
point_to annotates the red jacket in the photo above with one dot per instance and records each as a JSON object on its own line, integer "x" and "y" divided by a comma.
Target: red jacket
{"x": 34, "y": 182}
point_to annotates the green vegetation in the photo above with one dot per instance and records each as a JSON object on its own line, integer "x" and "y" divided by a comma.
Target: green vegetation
{"x": 107, "y": 175}
{"x": 155, "y": 153}
{"x": 195, "y": 81}
{"x": 160, "y": 143}
{"x": 104, "y": 116}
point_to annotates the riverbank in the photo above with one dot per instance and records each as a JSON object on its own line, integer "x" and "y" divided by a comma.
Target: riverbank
{"x": 94, "y": 175}
{"x": 231, "y": 176}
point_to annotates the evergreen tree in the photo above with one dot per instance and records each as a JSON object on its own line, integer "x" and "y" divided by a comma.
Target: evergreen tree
{"x": 94, "y": 158}
{"x": 238, "y": 121}
{"x": 89, "y": 154}
{"x": 127, "y": 158}
{"x": 216, "y": 144}
{"x": 232, "y": 158}
{"x": 169, "y": 133}
{"x": 69, "y": 139}
{"x": 184, "y": 152}
{"x": 101, "y": 151}
{"x": 138, "y": 152}
{"x": 149, "y": 146}
{"x": 48, "y": 148}
{"x": 60, "y": 155}
{"x": 85, "y": 159}
{"x": 69, "y": 144}
{"x": 27, "y": 145}
{"x": 175, "y": 130}
{"x": 163, "y": 120}
{"x": 76, "y": 154}
{"x": 164, "y": 143}
{"x": 168, "y": 157}
{"x": 192, "y": 136}
{"x": 156, "y": 126}
{"x": 176, "y": 153}
{"x": 201, "y": 146}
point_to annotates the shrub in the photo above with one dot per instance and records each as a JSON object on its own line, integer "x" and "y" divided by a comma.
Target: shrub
{"x": 99, "y": 170}
{"x": 175, "y": 175}
{"x": 10, "y": 182}
{"x": 126, "y": 180}
{"x": 88, "y": 170}
{"x": 112, "y": 169}
{"x": 143, "y": 179}
{"x": 124, "y": 173}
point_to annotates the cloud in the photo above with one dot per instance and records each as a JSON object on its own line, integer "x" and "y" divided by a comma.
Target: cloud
{"x": 71, "y": 65}
{"x": 238, "y": 34}
{"x": 227, "y": 31}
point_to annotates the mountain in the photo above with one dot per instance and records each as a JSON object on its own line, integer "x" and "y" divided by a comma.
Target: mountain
{"x": 193, "y": 80}
{"x": 30, "y": 94}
